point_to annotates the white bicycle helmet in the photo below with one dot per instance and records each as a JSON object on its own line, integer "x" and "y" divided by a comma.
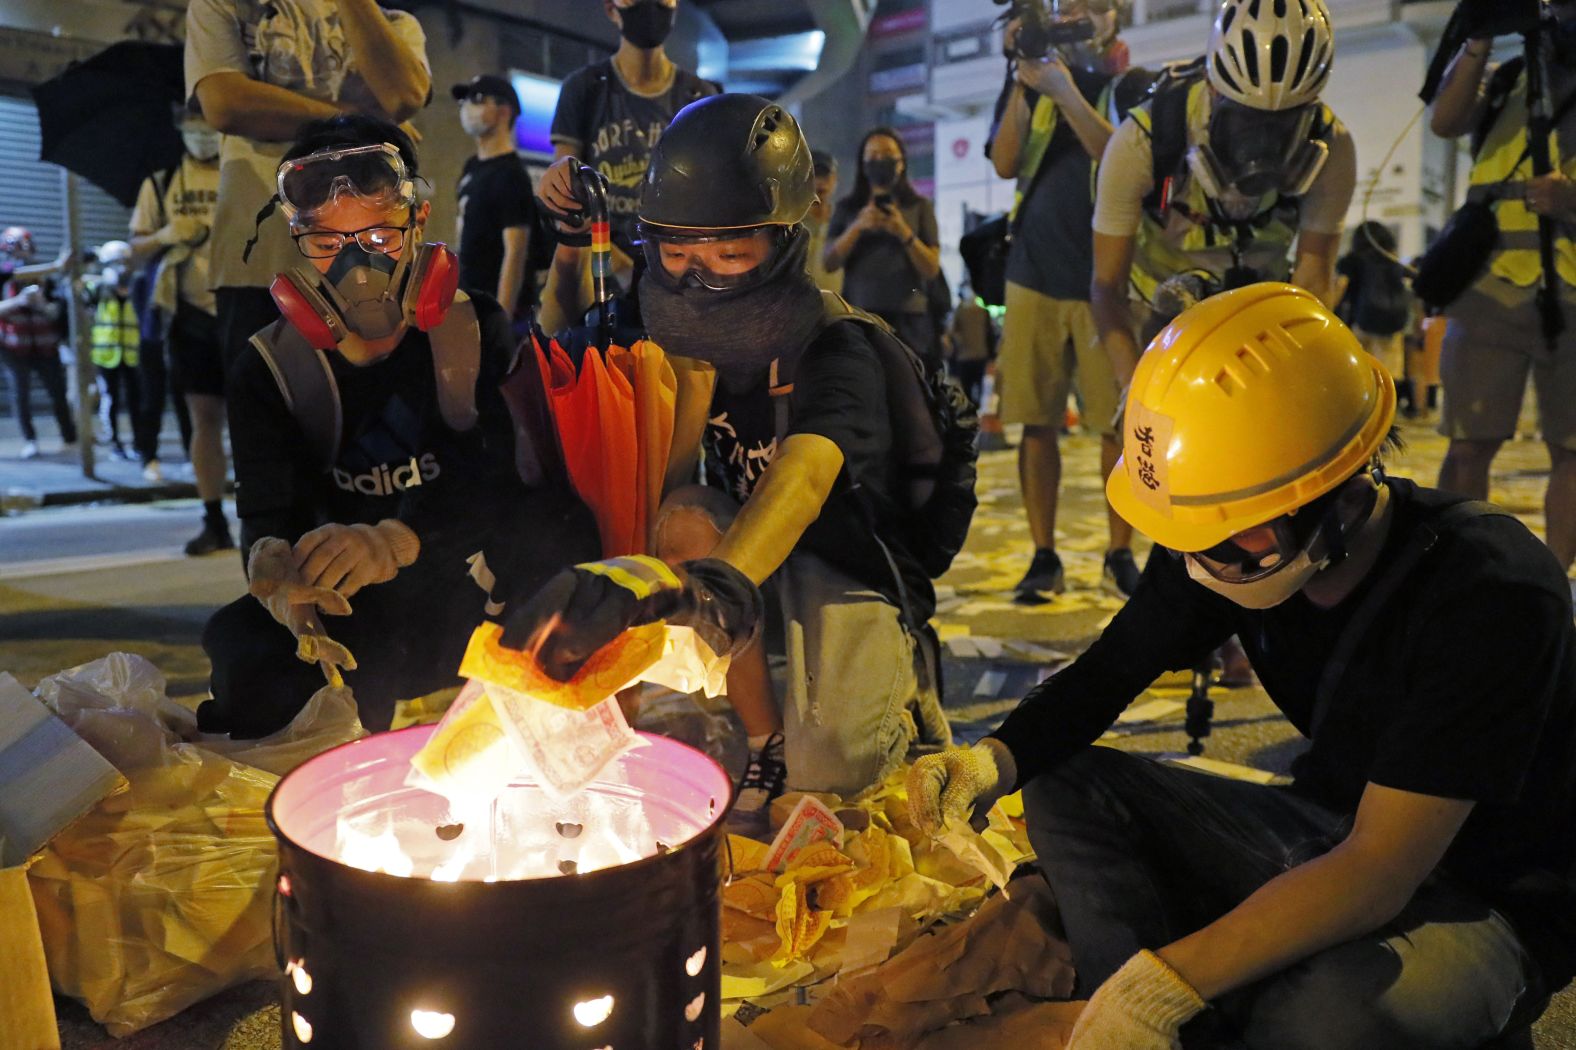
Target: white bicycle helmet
{"x": 1271, "y": 54}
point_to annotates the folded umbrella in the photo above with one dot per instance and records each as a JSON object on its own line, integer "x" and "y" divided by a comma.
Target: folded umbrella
{"x": 108, "y": 119}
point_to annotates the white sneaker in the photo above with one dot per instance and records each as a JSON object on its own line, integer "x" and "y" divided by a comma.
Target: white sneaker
{"x": 29, "y": 450}
{"x": 152, "y": 472}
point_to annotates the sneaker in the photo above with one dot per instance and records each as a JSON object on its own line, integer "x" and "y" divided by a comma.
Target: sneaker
{"x": 152, "y": 471}
{"x": 1121, "y": 571}
{"x": 1045, "y": 574}
{"x": 212, "y": 538}
{"x": 29, "y": 450}
{"x": 121, "y": 452}
{"x": 764, "y": 780}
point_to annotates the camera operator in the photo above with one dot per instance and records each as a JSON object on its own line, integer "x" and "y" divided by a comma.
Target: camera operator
{"x": 1222, "y": 171}
{"x": 1492, "y": 339}
{"x": 1065, "y": 82}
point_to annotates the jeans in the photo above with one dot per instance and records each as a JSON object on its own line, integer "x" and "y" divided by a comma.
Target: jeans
{"x": 1140, "y": 854}
{"x": 46, "y": 364}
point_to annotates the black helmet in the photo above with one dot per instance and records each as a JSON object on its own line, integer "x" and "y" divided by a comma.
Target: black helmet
{"x": 729, "y": 162}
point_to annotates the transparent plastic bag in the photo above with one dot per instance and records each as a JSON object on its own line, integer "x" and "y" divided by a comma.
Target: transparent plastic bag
{"x": 161, "y": 895}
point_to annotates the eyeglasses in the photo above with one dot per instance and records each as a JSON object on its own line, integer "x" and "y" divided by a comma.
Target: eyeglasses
{"x": 325, "y": 244}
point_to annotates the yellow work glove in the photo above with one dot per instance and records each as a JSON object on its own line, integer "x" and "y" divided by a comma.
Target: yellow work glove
{"x": 274, "y": 580}
{"x": 1142, "y": 1006}
{"x": 957, "y": 782}
{"x": 346, "y": 558}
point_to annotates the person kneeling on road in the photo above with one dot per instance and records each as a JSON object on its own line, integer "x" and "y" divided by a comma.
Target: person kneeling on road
{"x": 374, "y": 454}
{"x": 806, "y": 464}
{"x": 1413, "y": 887}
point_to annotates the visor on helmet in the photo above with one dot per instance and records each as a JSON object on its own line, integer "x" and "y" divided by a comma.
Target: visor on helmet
{"x": 680, "y": 258}
{"x": 374, "y": 174}
{"x": 1259, "y": 151}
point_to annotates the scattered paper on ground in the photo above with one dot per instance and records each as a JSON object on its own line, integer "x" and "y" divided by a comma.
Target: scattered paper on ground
{"x": 848, "y": 907}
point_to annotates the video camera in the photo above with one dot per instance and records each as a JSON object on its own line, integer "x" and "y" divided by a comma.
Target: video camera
{"x": 1041, "y": 27}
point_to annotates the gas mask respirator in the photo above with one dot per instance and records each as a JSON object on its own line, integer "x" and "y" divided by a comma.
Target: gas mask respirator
{"x": 367, "y": 294}
{"x": 1251, "y": 153}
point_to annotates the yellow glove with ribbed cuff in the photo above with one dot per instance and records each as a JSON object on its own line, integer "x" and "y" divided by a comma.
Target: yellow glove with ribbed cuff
{"x": 1142, "y": 1006}
{"x": 957, "y": 782}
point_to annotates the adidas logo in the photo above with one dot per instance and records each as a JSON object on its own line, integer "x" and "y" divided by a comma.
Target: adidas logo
{"x": 384, "y": 480}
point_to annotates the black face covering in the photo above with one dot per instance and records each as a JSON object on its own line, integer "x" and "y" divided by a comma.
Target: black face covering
{"x": 646, "y": 23}
{"x": 882, "y": 172}
{"x": 739, "y": 331}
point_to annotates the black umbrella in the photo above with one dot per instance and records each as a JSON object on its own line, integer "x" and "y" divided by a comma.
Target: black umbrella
{"x": 108, "y": 118}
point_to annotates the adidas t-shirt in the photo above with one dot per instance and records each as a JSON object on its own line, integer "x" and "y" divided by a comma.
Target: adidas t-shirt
{"x": 397, "y": 457}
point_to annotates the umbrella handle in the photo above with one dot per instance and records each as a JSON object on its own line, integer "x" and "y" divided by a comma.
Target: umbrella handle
{"x": 594, "y": 185}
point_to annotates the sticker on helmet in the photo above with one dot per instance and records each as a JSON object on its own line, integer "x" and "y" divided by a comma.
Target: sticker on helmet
{"x": 1147, "y": 442}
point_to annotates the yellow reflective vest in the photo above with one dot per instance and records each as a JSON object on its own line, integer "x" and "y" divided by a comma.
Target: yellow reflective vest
{"x": 1162, "y": 251}
{"x": 1504, "y": 158}
{"x": 116, "y": 333}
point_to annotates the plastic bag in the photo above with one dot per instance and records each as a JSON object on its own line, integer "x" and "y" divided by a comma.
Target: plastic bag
{"x": 162, "y": 895}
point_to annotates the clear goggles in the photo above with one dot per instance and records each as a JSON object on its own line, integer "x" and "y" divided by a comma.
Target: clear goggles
{"x": 1259, "y": 151}
{"x": 718, "y": 260}
{"x": 375, "y": 175}
{"x": 1264, "y": 550}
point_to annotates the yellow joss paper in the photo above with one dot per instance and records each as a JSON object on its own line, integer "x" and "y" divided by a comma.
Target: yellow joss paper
{"x": 755, "y": 895}
{"x": 609, "y": 669}
{"x": 799, "y": 926}
{"x": 746, "y": 854}
{"x": 468, "y": 750}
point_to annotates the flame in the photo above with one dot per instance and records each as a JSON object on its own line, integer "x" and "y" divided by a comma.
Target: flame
{"x": 593, "y": 1012}
{"x": 302, "y": 980}
{"x": 431, "y": 1024}
{"x": 380, "y": 852}
{"x": 303, "y": 1027}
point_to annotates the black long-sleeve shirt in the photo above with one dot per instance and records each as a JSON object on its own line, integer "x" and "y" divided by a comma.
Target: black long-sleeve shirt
{"x": 1464, "y": 687}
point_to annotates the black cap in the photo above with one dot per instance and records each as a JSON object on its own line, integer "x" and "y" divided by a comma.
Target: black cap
{"x": 825, "y": 163}
{"x": 490, "y": 85}
{"x": 727, "y": 162}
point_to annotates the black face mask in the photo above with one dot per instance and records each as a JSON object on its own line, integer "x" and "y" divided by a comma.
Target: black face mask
{"x": 646, "y": 23}
{"x": 882, "y": 173}
{"x": 739, "y": 331}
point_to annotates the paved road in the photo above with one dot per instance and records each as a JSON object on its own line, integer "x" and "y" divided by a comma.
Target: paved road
{"x": 76, "y": 583}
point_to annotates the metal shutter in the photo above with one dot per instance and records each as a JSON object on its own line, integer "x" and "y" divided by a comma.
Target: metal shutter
{"x": 31, "y": 193}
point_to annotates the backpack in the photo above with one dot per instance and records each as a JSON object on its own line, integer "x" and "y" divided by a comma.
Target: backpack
{"x": 1383, "y": 307}
{"x": 935, "y": 432}
{"x": 307, "y": 383}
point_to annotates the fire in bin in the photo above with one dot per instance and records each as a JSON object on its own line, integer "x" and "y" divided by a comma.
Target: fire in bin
{"x": 576, "y": 923}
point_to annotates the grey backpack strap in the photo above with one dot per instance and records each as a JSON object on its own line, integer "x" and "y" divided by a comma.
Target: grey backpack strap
{"x": 307, "y": 383}
{"x": 1418, "y": 544}
{"x": 457, "y": 363}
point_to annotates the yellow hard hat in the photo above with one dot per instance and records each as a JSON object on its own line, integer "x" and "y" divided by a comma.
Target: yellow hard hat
{"x": 1246, "y": 407}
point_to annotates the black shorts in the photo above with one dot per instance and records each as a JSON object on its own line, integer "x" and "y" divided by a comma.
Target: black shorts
{"x": 194, "y": 352}
{"x": 243, "y": 312}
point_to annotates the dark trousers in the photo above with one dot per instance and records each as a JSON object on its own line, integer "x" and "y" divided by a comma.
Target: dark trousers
{"x": 157, "y": 380}
{"x": 1140, "y": 854}
{"x": 407, "y": 635}
{"x": 241, "y": 313}
{"x": 121, "y": 390}
{"x": 971, "y": 376}
{"x": 46, "y": 365}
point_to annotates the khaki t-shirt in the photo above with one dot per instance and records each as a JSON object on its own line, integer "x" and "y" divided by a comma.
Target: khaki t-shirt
{"x": 295, "y": 44}
{"x": 192, "y": 192}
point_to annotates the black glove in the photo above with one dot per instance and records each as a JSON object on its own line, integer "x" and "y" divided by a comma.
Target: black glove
{"x": 583, "y": 608}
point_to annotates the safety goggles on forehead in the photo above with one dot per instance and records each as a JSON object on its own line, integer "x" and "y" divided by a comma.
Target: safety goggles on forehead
{"x": 719, "y": 260}
{"x": 375, "y": 175}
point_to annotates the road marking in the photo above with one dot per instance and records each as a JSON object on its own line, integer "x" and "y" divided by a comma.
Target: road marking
{"x": 89, "y": 563}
